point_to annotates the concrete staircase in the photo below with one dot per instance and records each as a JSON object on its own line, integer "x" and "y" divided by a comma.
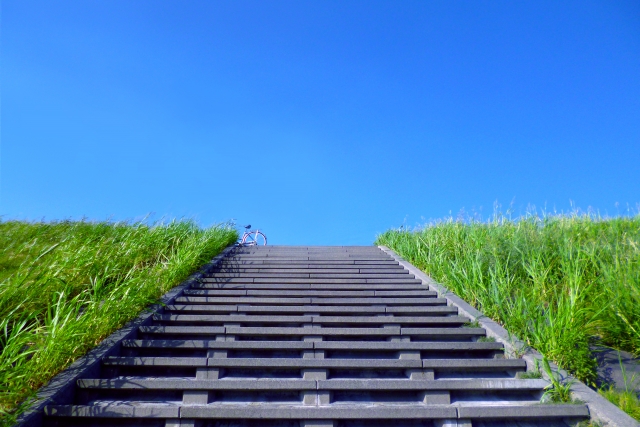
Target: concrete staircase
{"x": 310, "y": 336}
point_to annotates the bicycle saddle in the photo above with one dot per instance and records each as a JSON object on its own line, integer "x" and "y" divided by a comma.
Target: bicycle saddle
{"x": 247, "y": 226}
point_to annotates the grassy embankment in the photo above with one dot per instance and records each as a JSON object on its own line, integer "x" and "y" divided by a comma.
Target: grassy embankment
{"x": 560, "y": 283}
{"x": 66, "y": 286}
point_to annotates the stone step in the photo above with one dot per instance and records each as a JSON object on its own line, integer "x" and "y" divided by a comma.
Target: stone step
{"x": 301, "y": 384}
{"x": 331, "y": 249}
{"x": 110, "y": 410}
{"x": 310, "y": 270}
{"x": 407, "y": 346}
{"x": 453, "y": 320}
{"x": 449, "y": 346}
{"x": 381, "y": 300}
{"x": 400, "y": 309}
{"x": 194, "y": 384}
{"x": 290, "y": 262}
{"x": 310, "y": 257}
{"x": 293, "y": 331}
{"x": 308, "y": 286}
{"x": 282, "y": 363}
{"x": 334, "y": 269}
{"x": 444, "y": 384}
{"x": 241, "y": 300}
{"x": 301, "y": 254}
{"x": 270, "y": 250}
{"x": 211, "y": 344}
{"x": 522, "y": 412}
{"x": 358, "y": 255}
{"x": 320, "y": 320}
{"x": 387, "y": 276}
{"x": 301, "y": 301}
{"x": 241, "y": 308}
{"x": 328, "y": 412}
{"x": 343, "y": 332}
{"x": 441, "y": 365}
{"x": 298, "y": 249}
{"x": 259, "y": 276}
{"x": 298, "y": 254}
{"x": 312, "y": 293}
{"x": 162, "y": 361}
{"x": 281, "y": 309}
{"x": 291, "y": 293}
{"x": 231, "y": 318}
{"x": 216, "y": 291}
{"x": 439, "y": 307}
{"x": 271, "y": 363}
{"x": 312, "y": 280}
{"x": 302, "y": 309}
{"x": 401, "y": 293}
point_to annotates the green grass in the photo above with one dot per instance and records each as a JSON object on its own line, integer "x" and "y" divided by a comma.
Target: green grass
{"x": 558, "y": 390}
{"x": 474, "y": 324}
{"x": 66, "y": 286}
{"x": 626, "y": 400}
{"x": 559, "y": 282}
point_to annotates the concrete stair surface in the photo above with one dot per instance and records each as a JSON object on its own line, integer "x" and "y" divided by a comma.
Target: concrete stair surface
{"x": 310, "y": 336}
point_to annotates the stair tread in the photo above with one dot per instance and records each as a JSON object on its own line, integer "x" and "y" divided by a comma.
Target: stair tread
{"x": 300, "y": 384}
{"x": 333, "y": 411}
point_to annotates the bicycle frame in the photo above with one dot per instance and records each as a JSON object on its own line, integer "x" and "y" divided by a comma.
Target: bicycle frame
{"x": 251, "y": 237}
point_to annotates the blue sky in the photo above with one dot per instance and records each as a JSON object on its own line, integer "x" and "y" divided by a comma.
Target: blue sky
{"x": 320, "y": 122}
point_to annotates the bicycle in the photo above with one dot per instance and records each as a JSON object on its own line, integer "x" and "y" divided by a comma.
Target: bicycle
{"x": 252, "y": 237}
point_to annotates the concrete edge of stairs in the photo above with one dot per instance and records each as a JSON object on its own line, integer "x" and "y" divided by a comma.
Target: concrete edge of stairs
{"x": 58, "y": 390}
{"x": 600, "y": 409}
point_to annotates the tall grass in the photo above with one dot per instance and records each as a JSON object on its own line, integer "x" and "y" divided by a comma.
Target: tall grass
{"x": 559, "y": 282}
{"x": 65, "y": 286}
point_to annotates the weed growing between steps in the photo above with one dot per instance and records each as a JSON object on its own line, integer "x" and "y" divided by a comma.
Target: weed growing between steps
{"x": 534, "y": 373}
{"x": 558, "y": 390}
{"x": 558, "y": 282}
{"x": 66, "y": 286}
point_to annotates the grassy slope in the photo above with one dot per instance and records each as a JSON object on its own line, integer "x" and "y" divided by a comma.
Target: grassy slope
{"x": 66, "y": 286}
{"x": 558, "y": 283}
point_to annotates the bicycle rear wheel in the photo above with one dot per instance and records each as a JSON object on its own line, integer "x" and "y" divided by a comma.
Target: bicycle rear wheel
{"x": 254, "y": 238}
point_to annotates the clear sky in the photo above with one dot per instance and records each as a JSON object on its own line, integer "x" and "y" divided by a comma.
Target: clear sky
{"x": 320, "y": 122}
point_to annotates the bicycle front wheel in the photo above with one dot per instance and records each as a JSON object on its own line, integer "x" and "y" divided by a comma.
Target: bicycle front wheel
{"x": 254, "y": 238}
